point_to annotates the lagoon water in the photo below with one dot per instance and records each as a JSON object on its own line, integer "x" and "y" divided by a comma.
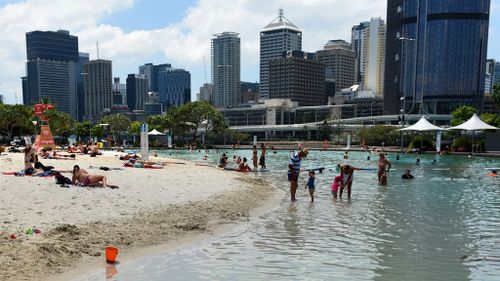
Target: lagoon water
{"x": 443, "y": 225}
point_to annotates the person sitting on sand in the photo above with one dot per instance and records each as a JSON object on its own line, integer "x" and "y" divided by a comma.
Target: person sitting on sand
{"x": 86, "y": 179}
{"x": 29, "y": 158}
{"x": 243, "y": 166}
{"x": 94, "y": 150}
{"x": 238, "y": 160}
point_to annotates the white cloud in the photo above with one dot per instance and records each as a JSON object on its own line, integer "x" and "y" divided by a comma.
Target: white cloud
{"x": 183, "y": 43}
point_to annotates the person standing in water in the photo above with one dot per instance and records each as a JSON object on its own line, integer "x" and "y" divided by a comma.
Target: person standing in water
{"x": 254, "y": 156}
{"x": 294, "y": 170}
{"x": 383, "y": 168}
{"x": 310, "y": 184}
{"x": 262, "y": 160}
{"x": 346, "y": 174}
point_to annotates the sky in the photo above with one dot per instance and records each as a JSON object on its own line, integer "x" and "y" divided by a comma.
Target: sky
{"x": 134, "y": 32}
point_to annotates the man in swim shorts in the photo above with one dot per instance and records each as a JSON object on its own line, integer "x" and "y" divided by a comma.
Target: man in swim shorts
{"x": 294, "y": 170}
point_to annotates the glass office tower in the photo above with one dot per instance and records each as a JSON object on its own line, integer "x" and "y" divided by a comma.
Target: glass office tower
{"x": 435, "y": 55}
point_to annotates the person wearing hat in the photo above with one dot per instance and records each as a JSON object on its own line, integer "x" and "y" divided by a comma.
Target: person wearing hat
{"x": 294, "y": 170}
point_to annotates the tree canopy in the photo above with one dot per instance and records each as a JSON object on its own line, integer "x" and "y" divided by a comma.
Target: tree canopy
{"x": 462, "y": 114}
{"x": 15, "y": 120}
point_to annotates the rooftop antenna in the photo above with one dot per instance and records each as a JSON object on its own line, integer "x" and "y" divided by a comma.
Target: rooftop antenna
{"x": 280, "y": 14}
{"x": 205, "y": 68}
{"x": 97, "y": 48}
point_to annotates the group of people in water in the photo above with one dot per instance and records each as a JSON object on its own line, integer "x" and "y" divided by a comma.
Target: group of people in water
{"x": 342, "y": 181}
{"x": 242, "y": 163}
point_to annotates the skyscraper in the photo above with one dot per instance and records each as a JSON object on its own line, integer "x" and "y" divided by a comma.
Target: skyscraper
{"x": 435, "y": 55}
{"x": 205, "y": 92}
{"x": 83, "y": 58}
{"x": 98, "y": 89}
{"x": 297, "y": 76}
{"x": 339, "y": 60}
{"x": 226, "y": 69}
{"x": 119, "y": 92}
{"x": 137, "y": 91}
{"x": 368, "y": 39}
{"x": 489, "y": 76}
{"x": 496, "y": 74}
{"x": 174, "y": 87}
{"x": 278, "y": 36}
{"x": 50, "y": 69}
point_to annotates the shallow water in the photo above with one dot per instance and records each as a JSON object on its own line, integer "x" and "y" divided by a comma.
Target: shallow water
{"x": 443, "y": 225}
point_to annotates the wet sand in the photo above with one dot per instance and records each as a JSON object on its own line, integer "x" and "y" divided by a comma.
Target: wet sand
{"x": 151, "y": 208}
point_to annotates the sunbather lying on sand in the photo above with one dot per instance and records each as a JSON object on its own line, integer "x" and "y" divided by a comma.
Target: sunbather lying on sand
{"x": 83, "y": 177}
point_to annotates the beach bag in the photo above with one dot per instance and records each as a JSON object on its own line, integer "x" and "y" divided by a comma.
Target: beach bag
{"x": 60, "y": 179}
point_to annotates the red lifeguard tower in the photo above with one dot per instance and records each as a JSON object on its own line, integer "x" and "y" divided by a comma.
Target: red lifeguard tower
{"x": 44, "y": 138}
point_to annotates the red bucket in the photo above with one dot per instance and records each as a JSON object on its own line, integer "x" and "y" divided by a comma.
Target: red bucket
{"x": 111, "y": 253}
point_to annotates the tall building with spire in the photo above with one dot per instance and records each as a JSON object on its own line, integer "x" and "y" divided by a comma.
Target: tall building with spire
{"x": 278, "y": 36}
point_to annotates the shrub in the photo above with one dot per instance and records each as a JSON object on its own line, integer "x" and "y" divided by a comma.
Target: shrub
{"x": 422, "y": 143}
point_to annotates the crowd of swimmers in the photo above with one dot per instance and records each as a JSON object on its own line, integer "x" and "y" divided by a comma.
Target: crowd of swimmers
{"x": 242, "y": 162}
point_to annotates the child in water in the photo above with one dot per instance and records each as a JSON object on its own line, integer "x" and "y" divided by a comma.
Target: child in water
{"x": 310, "y": 184}
{"x": 335, "y": 186}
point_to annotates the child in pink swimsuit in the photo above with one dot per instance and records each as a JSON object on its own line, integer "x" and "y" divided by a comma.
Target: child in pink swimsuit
{"x": 336, "y": 185}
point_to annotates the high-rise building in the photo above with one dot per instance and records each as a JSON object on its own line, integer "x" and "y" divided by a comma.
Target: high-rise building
{"x": 50, "y": 69}
{"x": 98, "y": 89}
{"x": 153, "y": 106}
{"x": 489, "y": 76}
{"x": 119, "y": 92}
{"x": 226, "y": 69}
{"x": 278, "y": 36}
{"x": 174, "y": 87}
{"x": 137, "y": 91}
{"x": 249, "y": 92}
{"x": 152, "y": 72}
{"x": 339, "y": 60}
{"x": 1, "y": 99}
{"x": 368, "y": 39}
{"x": 435, "y": 55}
{"x": 297, "y": 76}
{"x": 496, "y": 73}
{"x": 83, "y": 58}
{"x": 205, "y": 92}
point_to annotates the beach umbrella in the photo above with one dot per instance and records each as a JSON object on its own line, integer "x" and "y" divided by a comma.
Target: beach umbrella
{"x": 473, "y": 124}
{"x": 423, "y": 125}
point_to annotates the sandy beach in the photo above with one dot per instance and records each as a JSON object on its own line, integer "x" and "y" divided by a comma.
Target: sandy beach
{"x": 150, "y": 208}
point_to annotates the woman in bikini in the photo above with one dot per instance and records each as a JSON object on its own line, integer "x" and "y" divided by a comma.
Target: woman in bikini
{"x": 383, "y": 168}
{"x": 82, "y": 176}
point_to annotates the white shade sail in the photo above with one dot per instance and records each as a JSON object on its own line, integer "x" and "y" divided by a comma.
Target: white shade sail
{"x": 473, "y": 124}
{"x": 422, "y": 125}
{"x": 154, "y": 132}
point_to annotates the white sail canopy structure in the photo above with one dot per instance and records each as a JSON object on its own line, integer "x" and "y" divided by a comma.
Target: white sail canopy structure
{"x": 422, "y": 125}
{"x": 154, "y": 132}
{"x": 473, "y": 124}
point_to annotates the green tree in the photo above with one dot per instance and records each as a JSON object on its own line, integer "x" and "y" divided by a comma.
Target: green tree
{"x": 158, "y": 122}
{"x": 197, "y": 114}
{"x": 496, "y": 95}
{"x": 97, "y": 131}
{"x": 15, "y": 120}
{"x": 491, "y": 118}
{"x": 462, "y": 114}
{"x": 377, "y": 134}
{"x": 134, "y": 128}
{"x": 61, "y": 123}
{"x": 118, "y": 124}
{"x": 83, "y": 129}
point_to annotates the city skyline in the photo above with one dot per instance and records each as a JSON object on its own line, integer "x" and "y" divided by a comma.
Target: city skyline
{"x": 180, "y": 37}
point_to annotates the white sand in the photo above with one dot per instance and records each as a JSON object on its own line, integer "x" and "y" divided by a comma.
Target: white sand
{"x": 79, "y": 221}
